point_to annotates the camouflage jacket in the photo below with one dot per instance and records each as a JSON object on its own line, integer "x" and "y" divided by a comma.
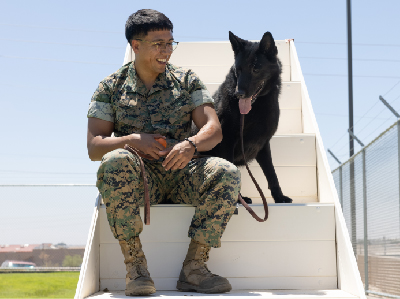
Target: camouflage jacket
{"x": 122, "y": 98}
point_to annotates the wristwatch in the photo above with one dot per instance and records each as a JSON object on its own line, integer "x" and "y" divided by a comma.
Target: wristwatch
{"x": 195, "y": 147}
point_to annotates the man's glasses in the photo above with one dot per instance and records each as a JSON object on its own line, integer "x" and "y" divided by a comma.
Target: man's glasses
{"x": 158, "y": 46}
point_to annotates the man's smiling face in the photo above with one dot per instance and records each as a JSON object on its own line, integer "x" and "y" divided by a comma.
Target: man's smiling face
{"x": 152, "y": 59}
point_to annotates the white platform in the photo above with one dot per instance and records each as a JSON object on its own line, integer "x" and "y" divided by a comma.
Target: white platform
{"x": 294, "y": 249}
{"x": 267, "y": 294}
{"x": 302, "y": 251}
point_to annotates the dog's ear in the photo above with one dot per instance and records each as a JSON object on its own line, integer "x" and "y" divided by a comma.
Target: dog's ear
{"x": 236, "y": 42}
{"x": 267, "y": 45}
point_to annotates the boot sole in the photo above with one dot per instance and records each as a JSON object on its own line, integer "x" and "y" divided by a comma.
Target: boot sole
{"x": 143, "y": 291}
{"x": 187, "y": 287}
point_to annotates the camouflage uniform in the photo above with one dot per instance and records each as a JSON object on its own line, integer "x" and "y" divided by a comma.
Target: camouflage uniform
{"x": 209, "y": 184}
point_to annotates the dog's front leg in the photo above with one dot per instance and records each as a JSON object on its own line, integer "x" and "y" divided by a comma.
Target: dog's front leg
{"x": 264, "y": 158}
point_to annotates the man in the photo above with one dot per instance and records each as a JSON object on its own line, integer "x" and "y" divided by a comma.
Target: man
{"x": 148, "y": 99}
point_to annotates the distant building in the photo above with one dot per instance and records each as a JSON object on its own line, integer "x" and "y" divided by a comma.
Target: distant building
{"x": 18, "y": 248}
{"x": 43, "y": 255}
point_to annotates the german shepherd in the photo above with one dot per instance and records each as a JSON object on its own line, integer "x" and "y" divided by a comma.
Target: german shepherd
{"x": 252, "y": 87}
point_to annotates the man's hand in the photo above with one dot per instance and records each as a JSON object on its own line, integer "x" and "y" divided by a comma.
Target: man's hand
{"x": 148, "y": 145}
{"x": 178, "y": 156}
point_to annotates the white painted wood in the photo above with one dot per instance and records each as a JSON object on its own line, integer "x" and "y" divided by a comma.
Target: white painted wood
{"x": 294, "y": 158}
{"x": 293, "y": 222}
{"x": 300, "y": 246}
{"x": 170, "y": 223}
{"x": 349, "y": 278}
{"x": 268, "y": 259}
{"x": 268, "y": 245}
{"x": 290, "y": 97}
{"x": 290, "y": 122}
{"x": 239, "y": 283}
{"x": 264, "y": 293}
{"x": 292, "y": 150}
{"x": 89, "y": 275}
{"x": 212, "y": 87}
{"x": 285, "y": 76}
{"x": 294, "y": 181}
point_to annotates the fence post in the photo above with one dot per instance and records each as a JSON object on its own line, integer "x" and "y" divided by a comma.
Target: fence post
{"x": 353, "y": 214}
{"x": 365, "y": 223}
{"x": 341, "y": 186}
{"x": 398, "y": 163}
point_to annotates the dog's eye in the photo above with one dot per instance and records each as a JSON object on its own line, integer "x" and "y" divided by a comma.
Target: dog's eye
{"x": 255, "y": 70}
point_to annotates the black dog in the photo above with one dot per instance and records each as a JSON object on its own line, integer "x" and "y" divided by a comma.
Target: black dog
{"x": 251, "y": 87}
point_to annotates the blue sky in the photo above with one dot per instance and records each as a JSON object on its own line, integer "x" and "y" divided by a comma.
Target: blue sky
{"x": 53, "y": 54}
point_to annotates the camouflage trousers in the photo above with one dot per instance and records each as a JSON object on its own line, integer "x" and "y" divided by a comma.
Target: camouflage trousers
{"x": 209, "y": 184}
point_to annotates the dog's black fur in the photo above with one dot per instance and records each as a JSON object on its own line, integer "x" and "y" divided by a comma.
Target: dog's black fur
{"x": 257, "y": 70}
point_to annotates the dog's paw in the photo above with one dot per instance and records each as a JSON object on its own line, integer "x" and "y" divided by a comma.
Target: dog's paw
{"x": 283, "y": 199}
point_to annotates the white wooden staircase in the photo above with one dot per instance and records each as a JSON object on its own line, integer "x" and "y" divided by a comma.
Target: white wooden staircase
{"x": 302, "y": 251}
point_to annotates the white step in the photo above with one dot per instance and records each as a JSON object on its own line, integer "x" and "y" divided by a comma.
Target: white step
{"x": 260, "y": 294}
{"x": 211, "y": 61}
{"x": 294, "y": 249}
{"x": 302, "y": 251}
{"x": 294, "y": 159}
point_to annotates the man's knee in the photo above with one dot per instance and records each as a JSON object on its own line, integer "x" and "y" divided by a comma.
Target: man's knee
{"x": 228, "y": 169}
{"x": 118, "y": 159}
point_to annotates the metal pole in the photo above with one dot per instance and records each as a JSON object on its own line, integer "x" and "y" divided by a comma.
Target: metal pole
{"x": 341, "y": 185}
{"x": 351, "y": 128}
{"x": 398, "y": 161}
{"x": 334, "y": 157}
{"x": 353, "y": 214}
{"x": 350, "y": 75}
{"x": 366, "y": 278}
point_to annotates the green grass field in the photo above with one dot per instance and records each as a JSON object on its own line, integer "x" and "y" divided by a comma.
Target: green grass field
{"x": 38, "y": 285}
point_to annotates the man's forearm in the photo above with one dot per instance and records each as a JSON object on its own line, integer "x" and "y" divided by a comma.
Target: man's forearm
{"x": 101, "y": 145}
{"x": 208, "y": 137}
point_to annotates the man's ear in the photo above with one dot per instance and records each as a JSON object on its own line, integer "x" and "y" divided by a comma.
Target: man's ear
{"x": 135, "y": 46}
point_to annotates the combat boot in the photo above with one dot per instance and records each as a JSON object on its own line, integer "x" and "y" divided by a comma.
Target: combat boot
{"x": 138, "y": 280}
{"x": 195, "y": 275}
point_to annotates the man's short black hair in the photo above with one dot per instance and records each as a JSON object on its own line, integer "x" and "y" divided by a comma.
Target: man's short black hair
{"x": 145, "y": 20}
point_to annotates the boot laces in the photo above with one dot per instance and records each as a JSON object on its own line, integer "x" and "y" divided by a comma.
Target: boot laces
{"x": 141, "y": 269}
{"x": 204, "y": 253}
{"x": 133, "y": 252}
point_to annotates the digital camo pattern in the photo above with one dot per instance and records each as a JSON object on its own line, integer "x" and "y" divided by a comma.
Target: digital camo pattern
{"x": 123, "y": 99}
{"x": 209, "y": 184}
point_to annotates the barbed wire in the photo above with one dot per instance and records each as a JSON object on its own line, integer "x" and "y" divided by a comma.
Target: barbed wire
{"x": 363, "y": 116}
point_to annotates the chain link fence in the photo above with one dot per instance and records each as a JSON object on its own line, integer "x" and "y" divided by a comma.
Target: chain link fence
{"x": 368, "y": 186}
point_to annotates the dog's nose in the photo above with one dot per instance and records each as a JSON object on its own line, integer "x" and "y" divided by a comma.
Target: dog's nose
{"x": 240, "y": 93}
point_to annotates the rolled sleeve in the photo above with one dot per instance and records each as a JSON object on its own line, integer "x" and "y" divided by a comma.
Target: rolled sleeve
{"x": 101, "y": 110}
{"x": 100, "y": 106}
{"x": 201, "y": 97}
{"x": 200, "y": 94}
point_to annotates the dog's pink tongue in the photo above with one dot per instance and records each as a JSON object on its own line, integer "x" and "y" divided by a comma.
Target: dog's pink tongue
{"x": 245, "y": 105}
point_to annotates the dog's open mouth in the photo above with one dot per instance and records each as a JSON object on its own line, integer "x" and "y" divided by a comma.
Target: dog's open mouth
{"x": 245, "y": 104}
